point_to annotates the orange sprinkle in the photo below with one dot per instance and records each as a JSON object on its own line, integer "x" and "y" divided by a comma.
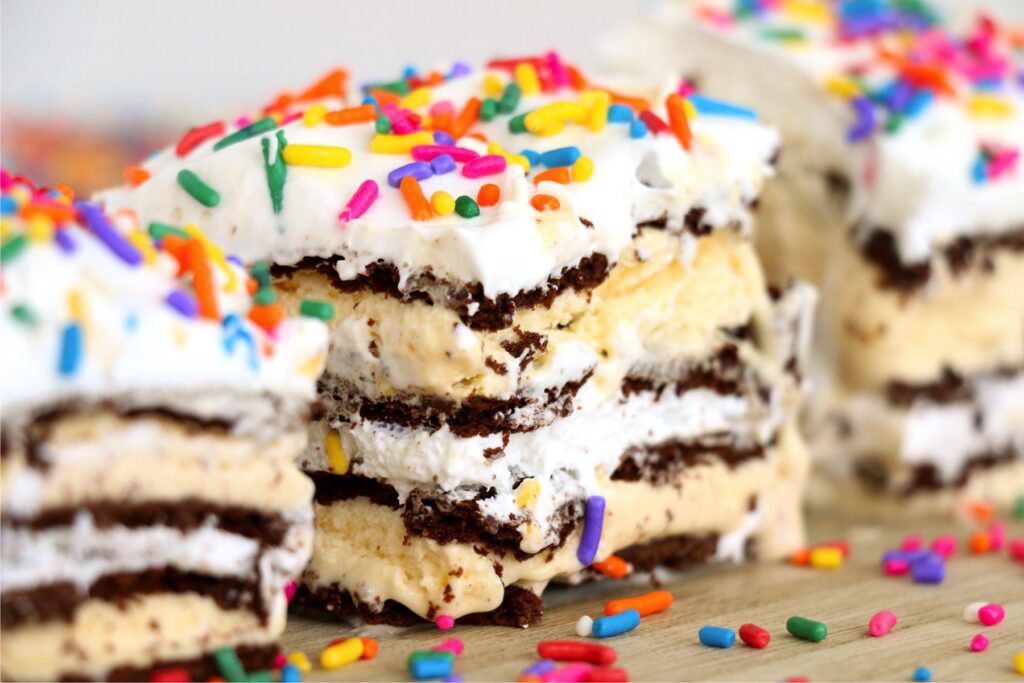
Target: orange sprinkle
{"x": 414, "y": 198}
{"x": 677, "y": 120}
{"x": 251, "y": 286}
{"x": 545, "y": 202}
{"x": 801, "y": 558}
{"x": 332, "y": 84}
{"x": 344, "y": 117}
{"x": 528, "y": 678}
{"x": 442, "y": 120}
{"x": 466, "y": 118}
{"x": 385, "y": 97}
{"x": 175, "y": 246}
{"x": 369, "y": 648}
{"x": 559, "y": 174}
{"x": 649, "y": 603}
{"x": 614, "y": 567}
{"x": 58, "y": 212}
{"x": 980, "y": 510}
{"x": 268, "y": 317}
{"x": 980, "y": 543}
{"x": 576, "y": 79}
{"x": 66, "y": 191}
{"x": 638, "y": 104}
{"x": 202, "y": 279}
{"x": 488, "y": 195}
{"x": 135, "y": 175}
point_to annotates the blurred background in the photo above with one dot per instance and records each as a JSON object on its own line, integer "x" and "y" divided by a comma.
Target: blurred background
{"x": 89, "y": 86}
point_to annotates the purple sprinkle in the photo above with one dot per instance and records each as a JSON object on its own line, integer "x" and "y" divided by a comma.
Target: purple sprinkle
{"x": 453, "y": 678}
{"x": 420, "y": 170}
{"x": 901, "y": 95}
{"x": 101, "y": 226}
{"x": 237, "y": 261}
{"x": 539, "y": 668}
{"x": 64, "y": 241}
{"x": 442, "y": 138}
{"x": 865, "y": 124}
{"x": 459, "y": 69}
{"x": 928, "y": 572}
{"x": 442, "y": 163}
{"x": 1020, "y": 80}
{"x": 182, "y": 303}
{"x": 593, "y": 524}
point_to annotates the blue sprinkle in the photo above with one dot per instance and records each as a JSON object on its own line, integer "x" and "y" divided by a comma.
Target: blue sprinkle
{"x": 989, "y": 84}
{"x": 290, "y": 674}
{"x": 919, "y": 102}
{"x": 442, "y": 138}
{"x": 710, "y": 107}
{"x": 420, "y": 170}
{"x": 234, "y": 332}
{"x": 7, "y": 206}
{"x": 716, "y": 636}
{"x": 531, "y": 156}
{"x": 98, "y": 222}
{"x": 620, "y": 113}
{"x": 431, "y": 667}
{"x": 922, "y": 674}
{"x": 70, "y": 349}
{"x": 64, "y": 241}
{"x": 605, "y": 627}
{"x": 183, "y": 303}
{"x": 979, "y": 170}
{"x": 409, "y": 71}
{"x": 442, "y": 163}
{"x": 563, "y": 156}
{"x": 370, "y": 99}
{"x": 131, "y": 322}
{"x": 637, "y": 128}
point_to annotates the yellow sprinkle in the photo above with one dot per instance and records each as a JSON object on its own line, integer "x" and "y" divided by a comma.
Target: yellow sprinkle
{"x": 555, "y": 114}
{"x": 597, "y": 103}
{"x": 420, "y": 97}
{"x": 526, "y": 77}
{"x": 526, "y": 494}
{"x": 495, "y": 148}
{"x": 989, "y": 105}
{"x": 807, "y": 10}
{"x": 342, "y": 654}
{"x": 215, "y": 254}
{"x": 442, "y": 203}
{"x": 691, "y": 111}
{"x": 518, "y": 159}
{"x": 40, "y": 228}
{"x": 323, "y": 156}
{"x": 842, "y": 86}
{"x": 142, "y": 242}
{"x": 76, "y": 305}
{"x": 301, "y": 661}
{"x": 312, "y": 367}
{"x": 553, "y": 129}
{"x": 1018, "y": 663}
{"x": 492, "y": 85}
{"x": 314, "y": 115}
{"x": 826, "y": 558}
{"x": 398, "y": 144}
{"x": 336, "y": 452}
{"x": 582, "y": 169}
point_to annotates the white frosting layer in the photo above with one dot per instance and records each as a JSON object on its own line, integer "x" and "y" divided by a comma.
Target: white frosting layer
{"x": 508, "y": 248}
{"x": 916, "y": 182}
{"x": 139, "y": 351}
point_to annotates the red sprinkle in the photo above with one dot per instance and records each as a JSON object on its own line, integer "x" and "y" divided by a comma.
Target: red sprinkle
{"x": 576, "y": 651}
{"x": 755, "y": 636}
{"x": 177, "y": 674}
{"x": 654, "y": 123}
{"x": 196, "y": 136}
{"x": 607, "y": 674}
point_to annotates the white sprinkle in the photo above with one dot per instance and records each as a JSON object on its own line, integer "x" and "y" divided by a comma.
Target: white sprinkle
{"x": 971, "y": 611}
{"x": 585, "y": 627}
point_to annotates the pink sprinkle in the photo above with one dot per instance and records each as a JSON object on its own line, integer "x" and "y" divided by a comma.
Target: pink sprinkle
{"x": 289, "y": 590}
{"x": 453, "y": 645}
{"x": 361, "y": 200}
{"x": 403, "y": 126}
{"x": 991, "y": 614}
{"x": 1017, "y": 549}
{"x": 484, "y": 166}
{"x": 571, "y": 673}
{"x": 280, "y": 660}
{"x": 430, "y": 152}
{"x": 912, "y": 542}
{"x": 559, "y": 76}
{"x": 979, "y": 643}
{"x": 243, "y": 121}
{"x": 445, "y": 622}
{"x": 442, "y": 108}
{"x": 685, "y": 88}
{"x": 881, "y": 623}
{"x": 6, "y": 179}
{"x": 294, "y": 116}
{"x": 896, "y": 567}
{"x": 944, "y": 546}
{"x": 997, "y": 535}
{"x": 1004, "y": 162}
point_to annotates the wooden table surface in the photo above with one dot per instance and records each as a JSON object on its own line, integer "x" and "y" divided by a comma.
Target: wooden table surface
{"x": 931, "y": 631}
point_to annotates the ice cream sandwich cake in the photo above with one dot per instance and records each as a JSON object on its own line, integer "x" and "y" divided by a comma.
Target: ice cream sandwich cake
{"x": 152, "y": 514}
{"x": 553, "y": 342}
{"x": 900, "y": 195}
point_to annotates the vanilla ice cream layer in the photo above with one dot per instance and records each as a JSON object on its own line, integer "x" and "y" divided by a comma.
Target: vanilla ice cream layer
{"x": 148, "y": 628}
{"x": 365, "y": 548}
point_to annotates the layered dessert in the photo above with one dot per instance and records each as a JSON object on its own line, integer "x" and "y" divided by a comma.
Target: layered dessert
{"x": 152, "y": 513}
{"x": 899, "y": 195}
{"x": 553, "y": 341}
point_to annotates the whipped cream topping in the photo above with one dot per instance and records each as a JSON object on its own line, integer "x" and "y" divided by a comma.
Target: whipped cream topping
{"x": 511, "y": 246}
{"x": 83, "y": 321}
{"x": 939, "y": 161}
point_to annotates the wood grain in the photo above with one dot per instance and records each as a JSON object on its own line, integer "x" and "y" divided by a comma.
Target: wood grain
{"x": 931, "y": 630}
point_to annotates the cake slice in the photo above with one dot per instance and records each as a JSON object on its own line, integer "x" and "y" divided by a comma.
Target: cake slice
{"x": 900, "y": 196}
{"x": 553, "y": 341}
{"x": 152, "y": 514}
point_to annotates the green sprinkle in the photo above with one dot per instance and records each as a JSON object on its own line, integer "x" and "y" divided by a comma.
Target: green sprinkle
{"x": 466, "y": 207}
{"x": 893, "y": 123}
{"x": 806, "y": 629}
{"x": 783, "y": 34}
{"x": 12, "y": 247}
{"x": 400, "y": 86}
{"x": 158, "y": 231}
{"x": 261, "y": 676}
{"x": 197, "y": 189}
{"x": 1018, "y": 509}
{"x": 383, "y": 125}
{"x": 265, "y": 296}
{"x": 261, "y": 271}
{"x": 229, "y": 664}
{"x": 509, "y": 99}
{"x": 264, "y": 125}
{"x": 316, "y": 309}
{"x": 488, "y": 109}
{"x": 420, "y": 655}
{"x": 276, "y": 169}
{"x": 23, "y": 314}
{"x": 517, "y": 124}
